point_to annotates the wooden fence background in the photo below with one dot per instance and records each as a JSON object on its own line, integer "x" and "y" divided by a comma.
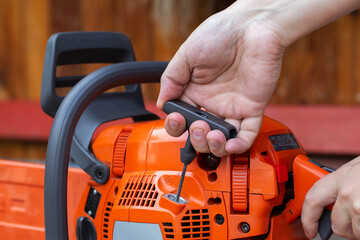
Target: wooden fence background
{"x": 322, "y": 68}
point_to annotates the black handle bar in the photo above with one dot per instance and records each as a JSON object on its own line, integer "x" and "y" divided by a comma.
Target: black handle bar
{"x": 62, "y": 131}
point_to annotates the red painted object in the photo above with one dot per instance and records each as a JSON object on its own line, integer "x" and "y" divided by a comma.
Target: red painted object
{"x": 320, "y": 129}
{"x": 24, "y": 120}
{"x": 233, "y": 200}
{"x": 302, "y": 167}
{"x": 22, "y": 199}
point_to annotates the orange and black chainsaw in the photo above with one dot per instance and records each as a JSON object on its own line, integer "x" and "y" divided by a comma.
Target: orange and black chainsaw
{"x": 135, "y": 167}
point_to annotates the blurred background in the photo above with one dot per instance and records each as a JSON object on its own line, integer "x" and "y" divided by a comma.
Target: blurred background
{"x": 318, "y": 94}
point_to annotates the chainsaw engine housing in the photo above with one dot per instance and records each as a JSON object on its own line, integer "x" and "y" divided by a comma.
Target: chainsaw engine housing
{"x": 235, "y": 197}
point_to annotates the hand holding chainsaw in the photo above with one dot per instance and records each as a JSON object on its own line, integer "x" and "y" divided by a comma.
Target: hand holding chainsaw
{"x": 231, "y": 63}
{"x": 341, "y": 187}
{"x": 230, "y": 66}
{"x": 222, "y": 65}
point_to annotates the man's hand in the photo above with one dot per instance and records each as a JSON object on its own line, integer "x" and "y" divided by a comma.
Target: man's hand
{"x": 341, "y": 187}
{"x": 231, "y": 63}
{"x": 229, "y": 66}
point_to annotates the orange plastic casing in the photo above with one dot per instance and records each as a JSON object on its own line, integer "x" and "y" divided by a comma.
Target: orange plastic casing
{"x": 241, "y": 198}
{"x": 22, "y": 199}
{"x": 306, "y": 174}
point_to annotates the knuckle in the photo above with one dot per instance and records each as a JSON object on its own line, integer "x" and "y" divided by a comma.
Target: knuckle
{"x": 337, "y": 230}
{"x": 343, "y": 170}
{"x": 311, "y": 203}
{"x": 345, "y": 192}
{"x": 341, "y": 229}
{"x": 310, "y": 198}
{"x": 356, "y": 207}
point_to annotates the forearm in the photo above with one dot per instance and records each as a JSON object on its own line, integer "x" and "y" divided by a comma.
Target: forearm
{"x": 293, "y": 19}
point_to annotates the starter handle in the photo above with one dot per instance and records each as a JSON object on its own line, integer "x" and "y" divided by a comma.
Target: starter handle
{"x": 192, "y": 114}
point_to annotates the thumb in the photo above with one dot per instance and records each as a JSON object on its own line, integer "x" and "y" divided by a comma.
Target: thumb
{"x": 174, "y": 79}
{"x": 248, "y": 131}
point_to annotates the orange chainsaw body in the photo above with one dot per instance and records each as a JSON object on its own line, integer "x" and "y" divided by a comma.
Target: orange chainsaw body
{"x": 255, "y": 195}
{"x": 243, "y": 189}
{"x": 22, "y": 199}
{"x": 244, "y": 196}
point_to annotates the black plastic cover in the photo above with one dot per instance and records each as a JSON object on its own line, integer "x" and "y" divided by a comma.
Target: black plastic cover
{"x": 325, "y": 230}
{"x": 192, "y": 114}
{"x": 85, "y": 229}
{"x": 78, "y": 48}
{"x": 92, "y": 202}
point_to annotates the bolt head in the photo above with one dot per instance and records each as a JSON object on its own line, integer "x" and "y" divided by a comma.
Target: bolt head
{"x": 219, "y": 219}
{"x": 245, "y": 227}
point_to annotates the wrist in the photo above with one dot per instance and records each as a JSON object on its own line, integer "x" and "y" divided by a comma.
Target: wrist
{"x": 291, "y": 20}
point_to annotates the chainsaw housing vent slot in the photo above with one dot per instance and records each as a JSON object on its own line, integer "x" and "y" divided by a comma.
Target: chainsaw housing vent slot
{"x": 120, "y": 150}
{"x": 108, "y": 208}
{"x": 196, "y": 224}
{"x": 168, "y": 230}
{"x": 140, "y": 191}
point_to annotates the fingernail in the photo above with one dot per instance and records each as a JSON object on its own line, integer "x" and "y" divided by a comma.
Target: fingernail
{"x": 173, "y": 125}
{"x": 214, "y": 145}
{"x": 198, "y": 133}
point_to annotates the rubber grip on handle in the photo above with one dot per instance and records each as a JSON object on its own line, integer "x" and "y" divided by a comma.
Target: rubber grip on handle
{"x": 325, "y": 230}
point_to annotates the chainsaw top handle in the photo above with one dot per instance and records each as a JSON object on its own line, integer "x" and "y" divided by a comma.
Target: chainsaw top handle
{"x": 68, "y": 48}
{"x": 63, "y": 128}
{"x": 91, "y": 47}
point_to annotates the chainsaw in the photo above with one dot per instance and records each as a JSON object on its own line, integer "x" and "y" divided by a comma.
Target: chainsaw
{"x": 135, "y": 166}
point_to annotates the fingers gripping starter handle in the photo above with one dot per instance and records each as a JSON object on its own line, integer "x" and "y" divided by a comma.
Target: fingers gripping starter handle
{"x": 192, "y": 114}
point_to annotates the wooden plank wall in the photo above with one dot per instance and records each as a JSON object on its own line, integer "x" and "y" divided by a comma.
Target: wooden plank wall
{"x": 322, "y": 68}
{"x": 155, "y": 27}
